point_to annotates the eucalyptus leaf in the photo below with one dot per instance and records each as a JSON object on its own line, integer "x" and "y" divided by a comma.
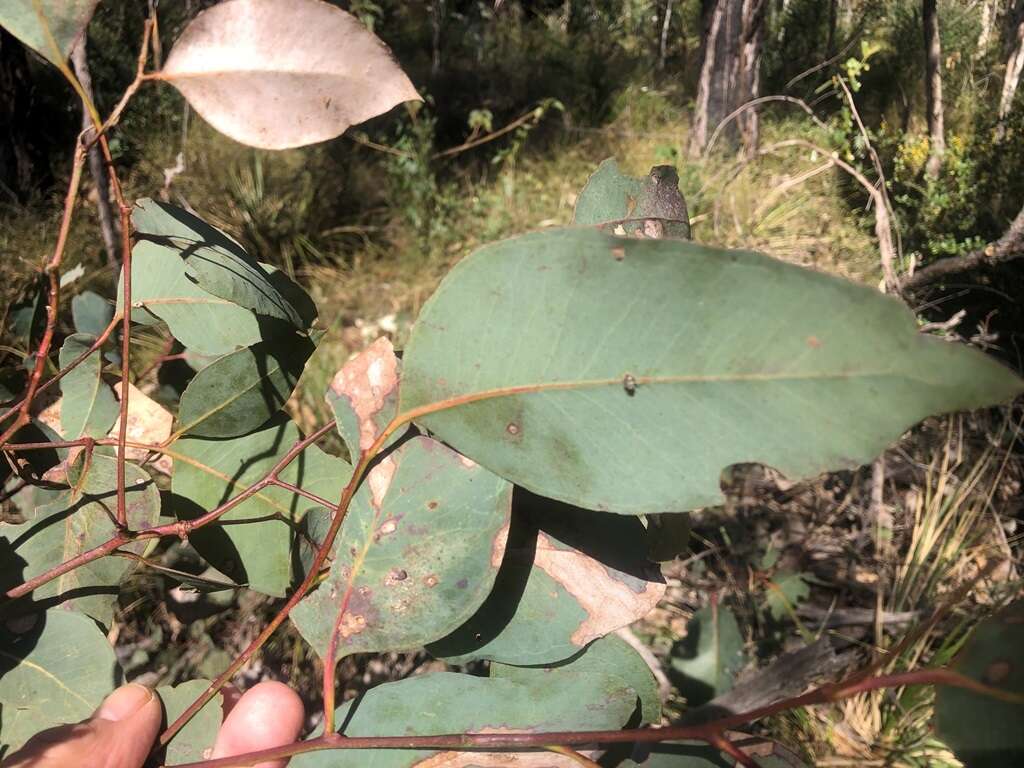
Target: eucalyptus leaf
{"x": 91, "y": 313}
{"x": 89, "y": 406}
{"x": 57, "y": 670}
{"x": 242, "y": 390}
{"x": 984, "y": 731}
{"x": 200, "y": 733}
{"x": 626, "y": 374}
{"x": 264, "y": 553}
{"x": 710, "y": 656}
{"x": 161, "y": 288}
{"x": 417, "y": 554}
{"x": 64, "y": 20}
{"x": 591, "y": 693}
{"x": 213, "y": 261}
{"x": 568, "y": 576}
{"x": 247, "y": 64}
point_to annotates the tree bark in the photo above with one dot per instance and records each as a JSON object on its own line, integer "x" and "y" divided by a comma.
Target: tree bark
{"x": 23, "y": 166}
{"x": 108, "y": 223}
{"x": 933, "y": 87}
{"x": 666, "y": 22}
{"x": 1014, "y": 63}
{"x": 730, "y": 73}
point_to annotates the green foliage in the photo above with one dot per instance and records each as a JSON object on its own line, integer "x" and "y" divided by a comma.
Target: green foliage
{"x": 609, "y": 677}
{"x": 417, "y": 554}
{"x": 613, "y": 377}
{"x": 195, "y": 738}
{"x": 63, "y": 23}
{"x": 65, "y": 524}
{"x": 710, "y": 656}
{"x": 984, "y": 731}
{"x": 90, "y": 407}
{"x": 650, "y": 368}
{"x": 55, "y": 668}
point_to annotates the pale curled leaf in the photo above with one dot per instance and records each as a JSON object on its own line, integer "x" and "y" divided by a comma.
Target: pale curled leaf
{"x": 284, "y": 73}
{"x": 56, "y": 670}
{"x": 625, "y": 375}
{"x": 66, "y": 20}
{"x": 415, "y": 558}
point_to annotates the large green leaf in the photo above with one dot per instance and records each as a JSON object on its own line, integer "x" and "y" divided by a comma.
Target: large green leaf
{"x": 242, "y": 390}
{"x": 625, "y": 374}
{"x": 264, "y": 552}
{"x": 710, "y": 656}
{"x": 200, "y": 733}
{"x": 983, "y": 731}
{"x": 161, "y": 288}
{"x": 599, "y": 690}
{"x": 89, "y": 406}
{"x": 568, "y": 576}
{"x": 76, "y": 521}
{"x": 214, "y": 261}
{"x": 647, "y": 207}
{"x": 56, "y": 671}
{"x": 65, "y": 19}
{"x": 416, "y": 556}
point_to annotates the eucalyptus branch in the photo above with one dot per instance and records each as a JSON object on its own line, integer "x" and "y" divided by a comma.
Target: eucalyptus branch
{"x": 181, "y": 528}
{"x": 710, "y": 732}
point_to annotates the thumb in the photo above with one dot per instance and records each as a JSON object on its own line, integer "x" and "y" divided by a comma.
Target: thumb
{"x": 119, "y": 735}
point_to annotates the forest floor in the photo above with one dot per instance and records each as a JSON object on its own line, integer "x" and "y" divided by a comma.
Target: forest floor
{"x": 851, "y": 562}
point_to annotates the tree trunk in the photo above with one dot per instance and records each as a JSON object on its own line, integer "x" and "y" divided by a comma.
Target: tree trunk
{"x": 108, "y": 224}
{"x": 23, "y": 166}
{"x": 1014, "y": 63}
{"x": 933, "y": 88}
{"x": 666, "y": 22}
{"x": 730, "y": 72}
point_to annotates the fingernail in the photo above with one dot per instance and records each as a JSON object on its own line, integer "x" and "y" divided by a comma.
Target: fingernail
{"x": 124, "y": 702}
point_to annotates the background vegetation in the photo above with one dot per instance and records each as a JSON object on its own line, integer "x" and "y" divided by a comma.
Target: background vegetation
{"x": 370, "y": 222}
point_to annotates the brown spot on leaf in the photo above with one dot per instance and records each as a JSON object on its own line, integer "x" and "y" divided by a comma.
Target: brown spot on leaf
{"x": 395, "y": 575}
{"x": 389, "y": 526}
{"x": 629, "y": 384}
{"x": 813, "y": 342}
{"x": 431, "y": 505}
{"x": 430, "y": 581}
{"x": 512, "y": 428}
{"x": 351, "y": 624}
{"x": 618, "y": 253}
{"x": 997, "y": 672}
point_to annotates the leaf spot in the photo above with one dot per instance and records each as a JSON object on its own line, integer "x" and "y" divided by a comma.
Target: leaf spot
{"x": 512, "y": 428}
{"x": 389, "y": 526}
{"x": 618, "y": 253}
{"x": 431, "y": 505}
{"x": 997, "y": 672}
{"x": 396, "y": 575}
{"x": 813, "y": 342}
{"x": 430, "y": 581}
{"x": 351, "y": 624}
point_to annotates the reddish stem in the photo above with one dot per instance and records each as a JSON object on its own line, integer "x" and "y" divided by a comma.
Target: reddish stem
{"x": 531, "y": 740}
{"x": 181, "y": 528}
